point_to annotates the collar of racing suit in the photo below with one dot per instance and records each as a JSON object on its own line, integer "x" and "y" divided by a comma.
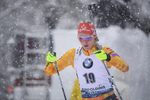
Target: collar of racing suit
{"x": 89, "y": 52}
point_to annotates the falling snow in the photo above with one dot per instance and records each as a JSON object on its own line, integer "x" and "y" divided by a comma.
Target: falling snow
{"x": 56, "y": 21}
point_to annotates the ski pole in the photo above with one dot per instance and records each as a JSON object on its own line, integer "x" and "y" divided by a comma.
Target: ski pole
{"x": 113, "y": 83}
{"x": 90, "y": 8}
{"x": 59, "y": 78}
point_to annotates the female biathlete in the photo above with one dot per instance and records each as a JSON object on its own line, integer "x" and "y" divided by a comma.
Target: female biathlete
{"x": 88, "y": 61}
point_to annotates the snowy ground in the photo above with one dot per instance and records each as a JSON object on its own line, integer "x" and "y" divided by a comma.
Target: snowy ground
{"x": 131, "y": 44}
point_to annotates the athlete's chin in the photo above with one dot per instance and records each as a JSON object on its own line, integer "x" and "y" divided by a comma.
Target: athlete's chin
{"x": 86, "y": 48}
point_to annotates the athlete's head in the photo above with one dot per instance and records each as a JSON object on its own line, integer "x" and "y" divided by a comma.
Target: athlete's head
{"x": 87, "y": 35}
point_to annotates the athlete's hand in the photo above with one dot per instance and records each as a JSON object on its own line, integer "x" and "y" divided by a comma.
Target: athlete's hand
{"x": 100, "y": 54}
{"x": 51, "y": 57}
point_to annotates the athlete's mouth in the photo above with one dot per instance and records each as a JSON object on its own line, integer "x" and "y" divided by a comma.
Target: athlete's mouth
{"x": 85, "y": 45}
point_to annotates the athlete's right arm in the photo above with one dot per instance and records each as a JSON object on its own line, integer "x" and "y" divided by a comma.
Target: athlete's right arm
{"x": 66, "y": 60}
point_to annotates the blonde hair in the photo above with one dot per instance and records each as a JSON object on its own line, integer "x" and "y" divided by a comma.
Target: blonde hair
{"x": 98, "y": 46}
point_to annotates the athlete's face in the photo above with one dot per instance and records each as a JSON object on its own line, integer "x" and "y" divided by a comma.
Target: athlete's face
{"x": 86, "y": 40}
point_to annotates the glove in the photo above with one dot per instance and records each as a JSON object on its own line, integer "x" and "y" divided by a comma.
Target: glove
{"x": 50, "y": 57}
{"x": 100, "y": 54}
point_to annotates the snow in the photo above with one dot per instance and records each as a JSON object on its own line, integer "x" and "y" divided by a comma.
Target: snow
{"x": 25, "y": 16}
{"x": 34, "y": 93}
{"x": 130, "y": 44}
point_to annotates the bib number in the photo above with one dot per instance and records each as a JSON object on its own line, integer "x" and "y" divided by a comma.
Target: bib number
{"x": 89, "y": 77}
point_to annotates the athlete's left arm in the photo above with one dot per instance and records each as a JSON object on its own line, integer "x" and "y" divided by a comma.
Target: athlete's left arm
{"x": 116, "y": 60}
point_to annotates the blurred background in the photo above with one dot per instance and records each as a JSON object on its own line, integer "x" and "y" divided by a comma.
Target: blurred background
{"x": 31, "y": 28}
